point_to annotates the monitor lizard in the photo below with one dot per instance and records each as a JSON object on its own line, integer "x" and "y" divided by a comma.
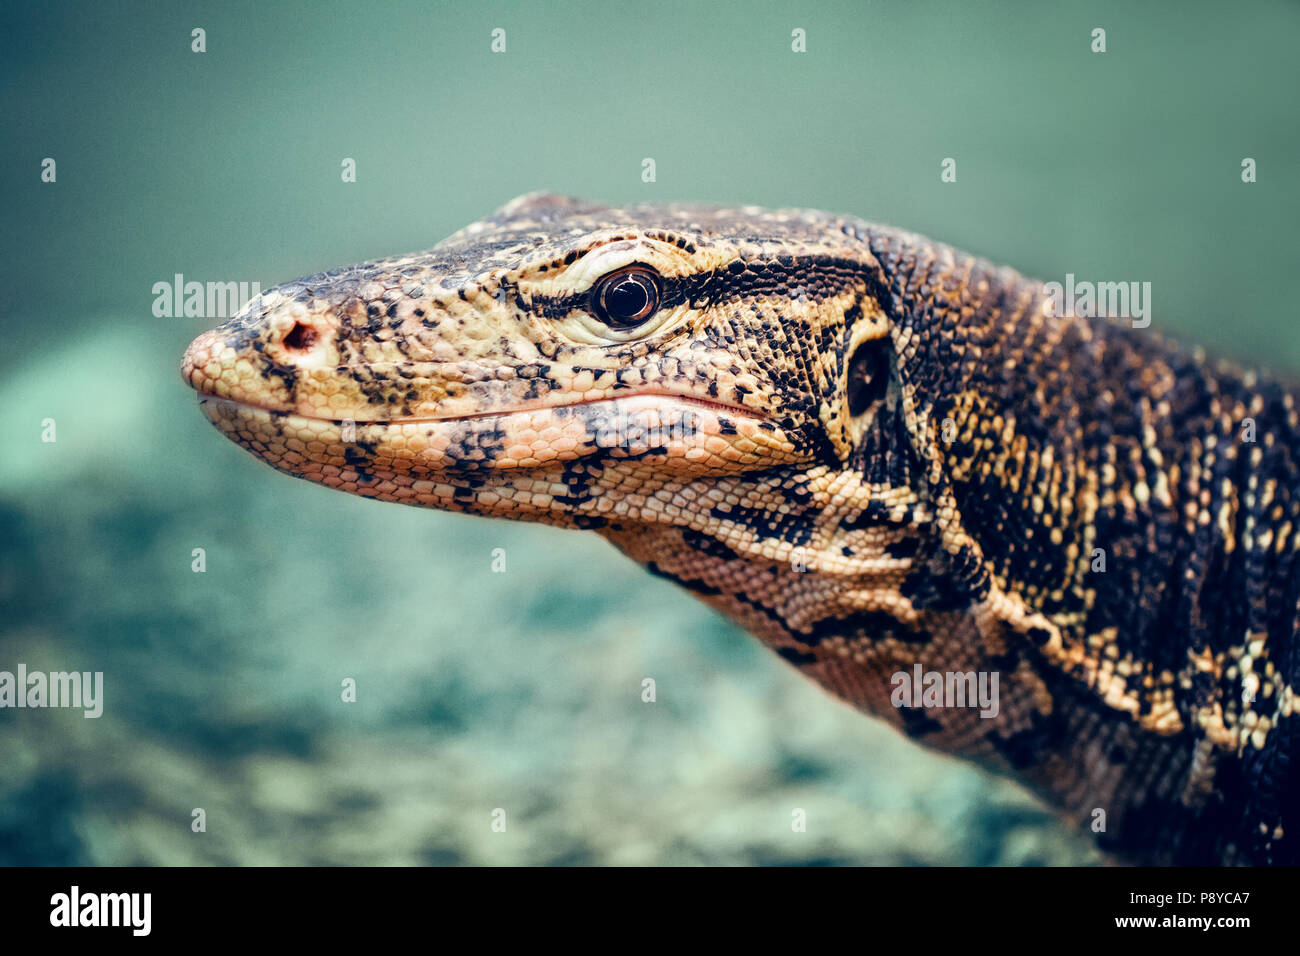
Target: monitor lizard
{"x": 892, "y": 462}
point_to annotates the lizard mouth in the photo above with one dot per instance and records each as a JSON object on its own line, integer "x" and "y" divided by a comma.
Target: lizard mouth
{"x": 675, "y": 433}
{"x": 661, "y": 398}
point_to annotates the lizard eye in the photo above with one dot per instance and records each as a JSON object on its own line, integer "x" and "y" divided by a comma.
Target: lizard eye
{"x": 626, "y": 298}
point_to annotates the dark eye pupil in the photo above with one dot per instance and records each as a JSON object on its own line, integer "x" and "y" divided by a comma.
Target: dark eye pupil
{"x": 626, "y": 299}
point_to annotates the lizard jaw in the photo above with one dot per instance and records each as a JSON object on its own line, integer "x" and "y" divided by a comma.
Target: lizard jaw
{"x": 676, "y": 434}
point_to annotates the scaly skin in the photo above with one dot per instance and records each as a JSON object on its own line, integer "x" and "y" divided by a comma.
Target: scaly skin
{"x": 868, "y": 449}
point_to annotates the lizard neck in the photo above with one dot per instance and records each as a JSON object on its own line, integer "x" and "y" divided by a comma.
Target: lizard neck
{"x": 1101, "y": 520}
{"x": 1124, "y": 516}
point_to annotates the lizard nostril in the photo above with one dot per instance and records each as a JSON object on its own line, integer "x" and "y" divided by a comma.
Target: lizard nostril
{"x": 300, "y": 338}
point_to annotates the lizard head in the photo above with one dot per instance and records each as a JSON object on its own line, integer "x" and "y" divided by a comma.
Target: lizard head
{"x": 879, "y": 455}
{"x": 583, "y": 365}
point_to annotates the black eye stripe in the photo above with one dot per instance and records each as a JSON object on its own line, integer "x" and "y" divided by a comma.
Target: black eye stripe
{"x": 814, "y": 276}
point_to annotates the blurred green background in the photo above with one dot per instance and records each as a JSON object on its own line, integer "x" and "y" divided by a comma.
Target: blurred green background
{"x": 522, "y": 690}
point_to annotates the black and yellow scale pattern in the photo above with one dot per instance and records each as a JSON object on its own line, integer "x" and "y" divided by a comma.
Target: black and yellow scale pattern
{"x": 868, "y": 449}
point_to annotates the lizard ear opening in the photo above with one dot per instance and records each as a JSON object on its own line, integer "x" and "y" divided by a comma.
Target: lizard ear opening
{"x": 868, "y": 376}
{"x": 865, "y": 391}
